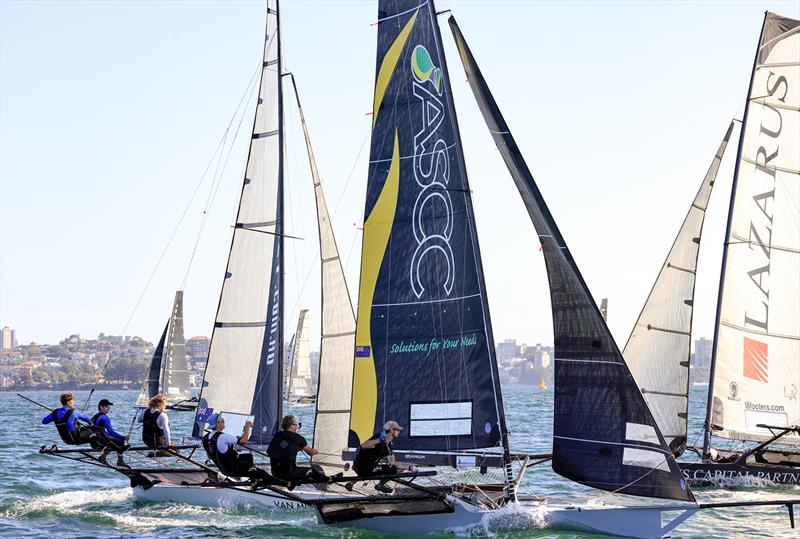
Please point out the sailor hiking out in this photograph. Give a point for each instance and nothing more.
(375, 457)
(220, 448)
(66, 421)
(108, 439)
(155, 423)
(283, 449)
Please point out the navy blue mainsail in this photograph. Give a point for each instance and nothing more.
(604, 435)
(424, 347)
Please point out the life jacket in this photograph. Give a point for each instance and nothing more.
(227, 462)
(366, 459)
(96, 417)
(281, 457)
(69, 437)
(152, 434)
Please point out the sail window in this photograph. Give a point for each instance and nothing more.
(441, 419)
(641, 433)
(645, 458)
(753, 418)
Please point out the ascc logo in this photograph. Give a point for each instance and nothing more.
(432, 173)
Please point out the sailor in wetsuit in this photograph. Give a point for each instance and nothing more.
(109, 440)
(375, 457)
(283, 449)
(220, 449)
(65, 418)
(155, 423)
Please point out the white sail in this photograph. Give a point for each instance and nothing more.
(246, 346)
(659, 346)
(299, 377)
(175, 381)
(757, 349)
(334, 386)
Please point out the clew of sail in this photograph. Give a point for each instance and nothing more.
(659, 347)
(243, 375)
(424, 350)
(756, 357)
(604, 435)
(337, 332)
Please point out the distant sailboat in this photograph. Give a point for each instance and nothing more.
(169, 370)
(298, 369)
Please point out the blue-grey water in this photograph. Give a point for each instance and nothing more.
(44, 496)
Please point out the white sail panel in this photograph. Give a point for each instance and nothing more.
(757, 353)
(659, 347)
(175, 381)
(338, 329)
(247, 333)
(299, 379)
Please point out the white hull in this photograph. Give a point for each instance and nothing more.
(218, 497)
(644, 522)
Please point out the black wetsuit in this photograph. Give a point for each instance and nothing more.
(79, 434)
(282, 451)
(368, 461)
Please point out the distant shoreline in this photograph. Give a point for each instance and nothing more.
(68, 387)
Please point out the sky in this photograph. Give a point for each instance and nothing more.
(110, 113)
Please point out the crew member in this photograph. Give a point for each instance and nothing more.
(375, 457)
(282, 451)
(155, 423)
(65, 418)
(220, 448)
(109, 439)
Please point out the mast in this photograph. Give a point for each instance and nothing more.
(760, 256)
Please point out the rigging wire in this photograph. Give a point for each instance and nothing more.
(214, 157)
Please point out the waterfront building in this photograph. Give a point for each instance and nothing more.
(8, 341)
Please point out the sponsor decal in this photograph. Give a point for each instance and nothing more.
(756, 361)
(733, 391)
(487, 427)
(758, 407)
(706, 475)
(273, 321)
(432, 173)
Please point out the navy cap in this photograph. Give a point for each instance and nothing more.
(105, 402)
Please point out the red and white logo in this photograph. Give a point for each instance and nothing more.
(756, 362)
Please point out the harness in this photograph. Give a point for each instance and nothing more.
(69, 437)
(152, 434)
(227, 462)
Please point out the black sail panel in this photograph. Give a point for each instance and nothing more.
(150, 386)
(604, 435)
(424, 348)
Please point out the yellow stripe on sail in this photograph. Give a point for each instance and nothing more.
(388, 64)
(377, 229)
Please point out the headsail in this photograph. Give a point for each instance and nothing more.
(244, 372)
(337, 332)
(604, 435)
(659, 346)
(150, 385)
(424, 352)
(756, 358)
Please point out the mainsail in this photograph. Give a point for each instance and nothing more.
(298, 379)
(659, 347)
(337, 332)
(756, 357)
(243, 375)
(169, 371)
(424, 353)
(604, 435)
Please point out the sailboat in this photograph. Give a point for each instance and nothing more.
(297, 373)
(755, 366)
(424, 345)
(169, 371)
(244, 374)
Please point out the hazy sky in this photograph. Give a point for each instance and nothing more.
(110, 113)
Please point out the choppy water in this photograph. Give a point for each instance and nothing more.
(45, 496)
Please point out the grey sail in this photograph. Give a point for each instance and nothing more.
(338, 327)
(298, 376)
(604, 435)
(659, 346)
(243, 375)
(175, 380)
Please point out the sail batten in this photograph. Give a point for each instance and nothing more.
(600, 418)
(756, 356)
(243, 374)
